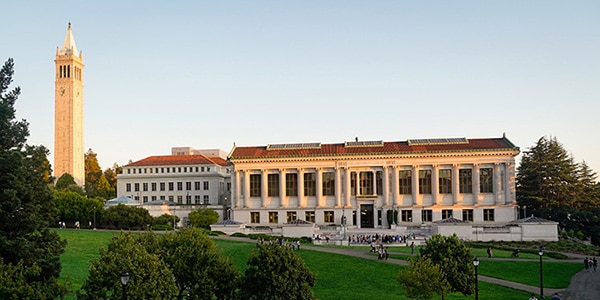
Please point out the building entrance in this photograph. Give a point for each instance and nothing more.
(366, 216)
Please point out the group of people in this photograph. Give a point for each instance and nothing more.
(382, 252)
(590, 264)
(295, 245)
(378, 238)
(63, 225)
(554, 297)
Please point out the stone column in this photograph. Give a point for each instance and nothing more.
(338, 187)
(417, 199)
(263, 188)
(475, 184)
(347, 188)
(246, 188)
(455, 184)
(395, 185)
(435, 184)
(386, 185)
(497, 183)
(301, 188)
(282, 196)
(319, 187)
(235, 189)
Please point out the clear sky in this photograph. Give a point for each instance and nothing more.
(206, 74)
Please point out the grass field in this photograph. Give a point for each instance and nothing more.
(338, 276)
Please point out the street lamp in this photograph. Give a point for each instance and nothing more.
(541, 253)
(476, 264)
(124, 282)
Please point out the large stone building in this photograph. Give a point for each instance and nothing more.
(68, 111)
(364, 183)
(189, 178)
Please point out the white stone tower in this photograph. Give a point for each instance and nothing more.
(68, 111)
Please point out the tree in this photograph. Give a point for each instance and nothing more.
(103, 188)
(111, 177)
(92, 173)
(126, 217)
(66, 182)
(203, 217)
(276, 272)
(200, 271)
(74, 207)
(165, 221)
(546, 177)
(27, 246)
(151, 278)
(422, 279)
(454, 259)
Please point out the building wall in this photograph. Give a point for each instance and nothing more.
(501, 200)
(146, 177)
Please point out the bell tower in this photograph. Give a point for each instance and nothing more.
(68, 111)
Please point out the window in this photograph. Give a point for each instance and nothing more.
(310, 184)
(136, 187)
(445, 181)
(188, 199)
(273, 185)
(196, 185)
(366, 183)
(379, 214)
(145, 199)
(309, 216)
(406, 215)
(291, 184)
(353, 183)
(328, 183)
(485, 180)
(467, 215)
(273, 217)
(205, 199)
(188, 186)
(290, 216)
(145, 186)
(171, 198)
(153, 198)
(446, 214)
(128, 187)
(170, 186)
(162, 197)
(424, 181)
(197, 199)
(465, 179)
(180, 199)
(255, 185)
(180, 186)
(426, 215)
(379, 183)
(254, 217)
(488, 214)
(205, 185)
(328, 216)
(405, 182)
(154, 186)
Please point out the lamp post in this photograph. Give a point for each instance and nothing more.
(94, 218)
(476, 264)
(124, 282)
(541, 253)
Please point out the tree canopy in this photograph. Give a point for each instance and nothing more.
(422, 279)
(454, 259)
(276, 272)
(27, 247)
(203, 217)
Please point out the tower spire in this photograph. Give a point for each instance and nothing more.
(69, 46)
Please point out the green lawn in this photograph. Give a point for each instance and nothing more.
(338, 276)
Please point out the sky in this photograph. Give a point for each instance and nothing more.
(208, 74)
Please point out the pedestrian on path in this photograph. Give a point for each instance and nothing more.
(412, 247)
(555, 297)
(533, 297)
(489, 252)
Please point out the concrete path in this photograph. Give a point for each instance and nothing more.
(583, 286)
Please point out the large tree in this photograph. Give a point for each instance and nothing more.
(275, 272)
(423, 279)
(92, 173)
(203, 217)
(454, 259)
(26, 204)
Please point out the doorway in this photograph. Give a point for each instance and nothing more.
(366, 216)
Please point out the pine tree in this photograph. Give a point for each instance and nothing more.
(26, 205)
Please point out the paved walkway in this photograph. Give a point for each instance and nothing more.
(583, 286)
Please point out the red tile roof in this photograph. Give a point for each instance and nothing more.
(170, 160)
(403, 147)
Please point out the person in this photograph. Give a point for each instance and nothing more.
(555, 297)
(412, 247)
(586, 264)
(533, 297)
(489, 252)
(77, 225)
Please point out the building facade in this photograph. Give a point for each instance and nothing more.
(189, 177)
(363, 184)
(68, 111)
